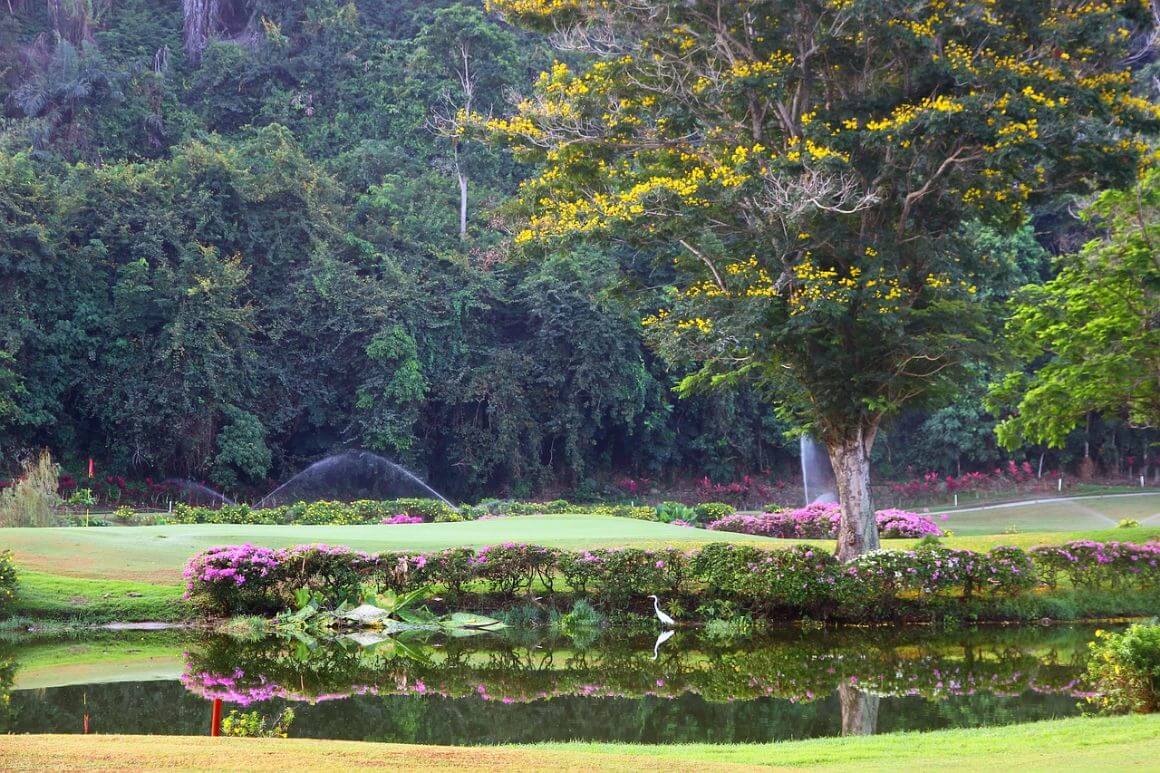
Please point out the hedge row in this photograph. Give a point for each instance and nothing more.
(364, 512)
(793, 582)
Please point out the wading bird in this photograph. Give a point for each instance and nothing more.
(665, 619)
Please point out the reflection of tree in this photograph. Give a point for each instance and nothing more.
(859, 710)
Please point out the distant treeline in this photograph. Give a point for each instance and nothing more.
(232, 239)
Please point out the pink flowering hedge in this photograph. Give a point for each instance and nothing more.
(820, 521)
(802, 580)
(1097, 564)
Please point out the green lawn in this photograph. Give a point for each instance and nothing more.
(94, 601)
(1062, 515)
(158, 553)
(1071, 744)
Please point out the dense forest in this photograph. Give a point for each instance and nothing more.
(237, 235)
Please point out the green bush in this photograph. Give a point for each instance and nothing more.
(707, 512)
(667, 512)
(33, 499)
(1125, 669)
(7, 579)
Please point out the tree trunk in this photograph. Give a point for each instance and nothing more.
(462, 206)
(462, 189)
(859, 711)
(850, 458)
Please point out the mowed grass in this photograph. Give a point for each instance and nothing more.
(157, 553)
(1071, 744)
(1065, 515)
(93, 601)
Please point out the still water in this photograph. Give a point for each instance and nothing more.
(523, 688)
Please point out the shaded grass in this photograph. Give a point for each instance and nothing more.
(1071, 744)
(88, 601)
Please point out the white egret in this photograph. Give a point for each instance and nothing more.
(664, 637)
(665, 619)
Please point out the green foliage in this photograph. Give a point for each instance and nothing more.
(1125, 669)
(820, 248)
(32, 500)
(707, 512)
(7, 580)
(1091, 330)
(667, 512)
(241, 449)
(721, 580)
(251, 724)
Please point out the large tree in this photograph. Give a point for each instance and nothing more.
(1094, 329)
(805, 166)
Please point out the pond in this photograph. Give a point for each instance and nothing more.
(524, 687)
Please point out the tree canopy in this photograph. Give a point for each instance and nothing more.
(1091, 334)
(807, 168)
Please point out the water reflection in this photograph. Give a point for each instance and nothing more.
(497, 689)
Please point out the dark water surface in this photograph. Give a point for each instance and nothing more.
(521, 689)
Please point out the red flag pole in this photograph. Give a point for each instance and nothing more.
(215, 718)
(90, 467)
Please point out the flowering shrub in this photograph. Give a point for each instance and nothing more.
(234, 578)
(820, 521)
(712, 511)
(884, 576)
(7, 579)
(400, 519)
(740, 492)
(512, 568)
(802, 580)
(1020, 477)
(1099, 564)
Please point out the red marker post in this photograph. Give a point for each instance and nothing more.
(215, 718)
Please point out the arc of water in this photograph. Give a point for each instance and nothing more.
(363, 457)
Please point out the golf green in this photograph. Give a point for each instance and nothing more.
(158, 553)
(1075, 514)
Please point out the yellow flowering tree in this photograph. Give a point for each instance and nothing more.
(800, 170)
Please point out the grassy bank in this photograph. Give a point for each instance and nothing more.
(156, 554)
(1074, 744)
(91, 601)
